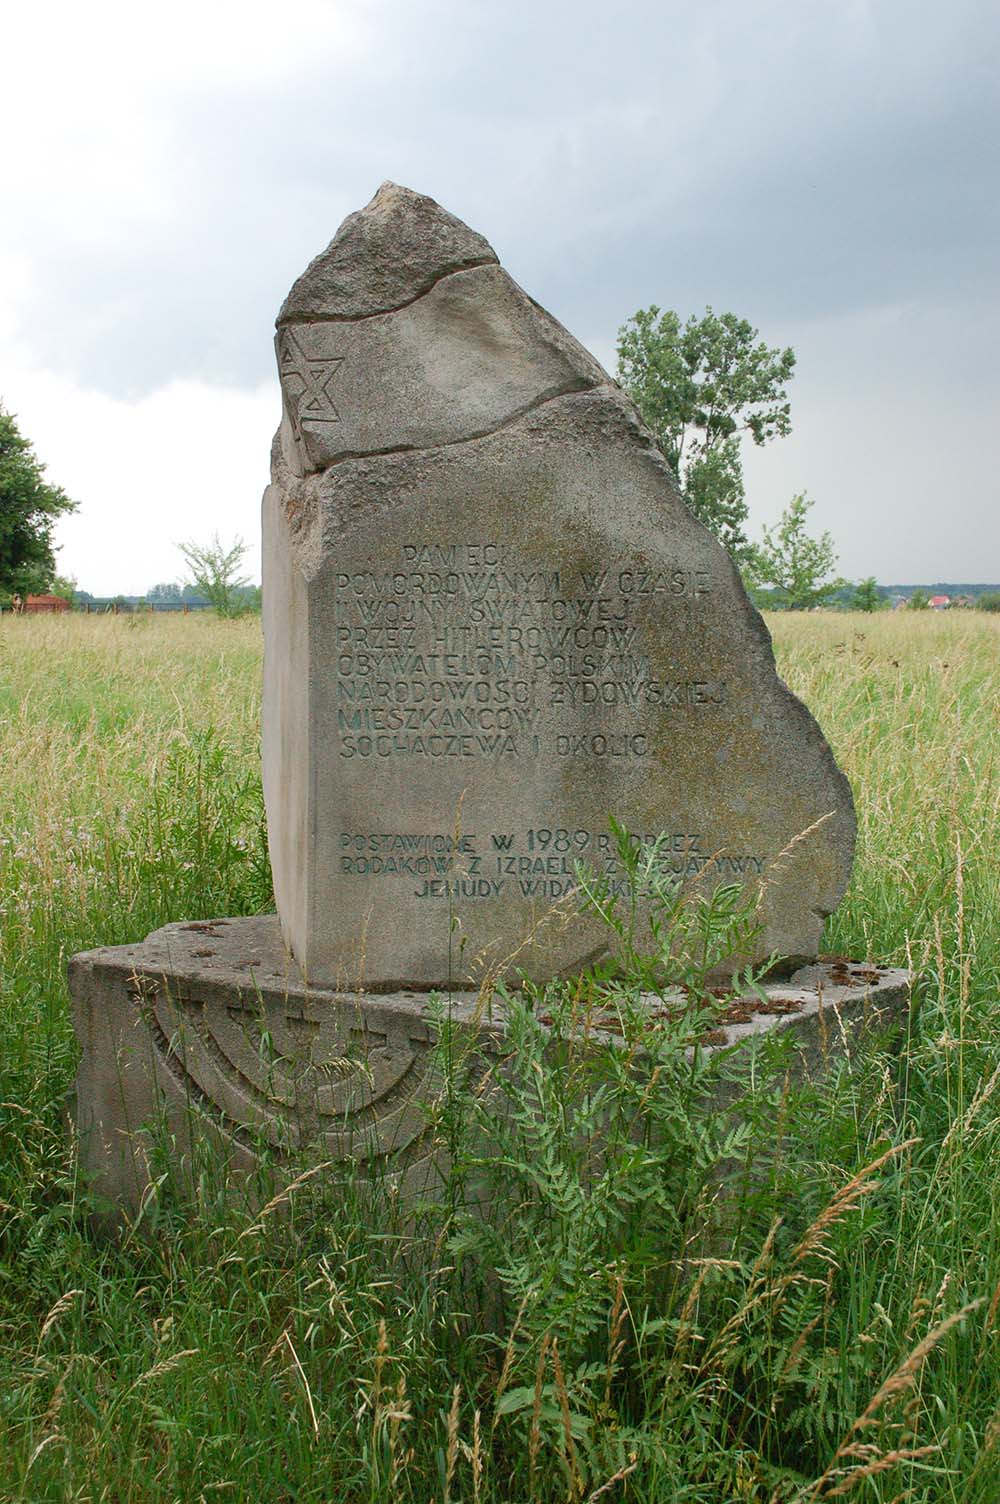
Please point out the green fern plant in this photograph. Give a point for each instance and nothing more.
(587, 1159)
(667, 933)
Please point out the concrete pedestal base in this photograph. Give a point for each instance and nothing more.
(206, 1034)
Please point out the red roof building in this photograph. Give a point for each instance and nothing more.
(46, 603)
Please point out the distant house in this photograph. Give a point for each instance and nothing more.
(46, 603)
(939, 602)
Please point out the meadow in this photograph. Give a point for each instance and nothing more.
(841, 1340)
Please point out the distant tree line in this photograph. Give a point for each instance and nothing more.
(699, 385)
(171, 592)
(169, 596)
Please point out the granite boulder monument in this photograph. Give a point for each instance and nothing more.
(491, 624)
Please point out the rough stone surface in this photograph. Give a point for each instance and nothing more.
(384, 256)
(459, 362)
(490, 624)
(206, 1034)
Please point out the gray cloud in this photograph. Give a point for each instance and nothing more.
(797, 164)
(784, 161)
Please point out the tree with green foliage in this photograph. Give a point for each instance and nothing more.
(29, 507)
(215, 574)
(63, 585)
(700, 385)
(867, 596)
(794, 565)
(919, 601)
(989, 601)
(167, 590)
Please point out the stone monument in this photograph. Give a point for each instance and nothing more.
(490, 624)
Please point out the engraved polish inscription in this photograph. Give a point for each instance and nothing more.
(528, 863)
(459, 651)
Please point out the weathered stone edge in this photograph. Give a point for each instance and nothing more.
(872, 993)
(338, 269)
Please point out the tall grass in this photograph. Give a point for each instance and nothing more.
(836, 1336)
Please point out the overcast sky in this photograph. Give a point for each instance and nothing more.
(827, 170)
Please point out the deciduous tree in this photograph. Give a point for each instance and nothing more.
(215, 573)
(29, 507)
(792, 563)
(699, 386)
(867, 596)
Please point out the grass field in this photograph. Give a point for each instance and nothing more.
(845, 1340)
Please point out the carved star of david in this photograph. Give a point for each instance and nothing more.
(308, 382)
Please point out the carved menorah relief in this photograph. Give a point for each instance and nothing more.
(292, 1077)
